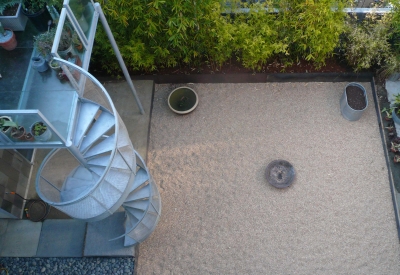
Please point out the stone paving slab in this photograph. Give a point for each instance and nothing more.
(21, 239)
(99, 234)
(62, 238)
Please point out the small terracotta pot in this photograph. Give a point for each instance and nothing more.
(29, 137)
(11, 43)
(18, 134)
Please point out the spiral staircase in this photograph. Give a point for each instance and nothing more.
(107, 173)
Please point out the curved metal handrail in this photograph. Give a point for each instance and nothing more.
(114, 150)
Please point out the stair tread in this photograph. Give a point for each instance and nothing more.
(104, 123)
(141, 177)
(73, 183)
(87, 113)
(71, 194)
(82, 173)
(137, 213)
(130, 222)
(103, 147)
(142, 205)
(115, 177)
(128, 241)
(118, 161)
(139, 194)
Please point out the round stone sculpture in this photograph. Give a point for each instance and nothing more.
(280, 173)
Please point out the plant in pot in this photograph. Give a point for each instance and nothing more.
(40, 131)
(77, 42)
(38, 14)
(388, 113)
(6, 124)
(7, 38)
(44, 43)
(11, 15)
(17, 132)
(353, 102)
(54, 65)
(396, 109)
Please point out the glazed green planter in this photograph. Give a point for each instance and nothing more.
(183, 100)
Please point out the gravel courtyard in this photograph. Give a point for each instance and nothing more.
(219, 214)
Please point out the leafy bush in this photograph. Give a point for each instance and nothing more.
(311, 28)
(154, 34)
(257, 37)
(366, 44)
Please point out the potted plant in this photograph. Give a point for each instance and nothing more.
(44, 43)
(353, 102)
(29, 137)
(38, 14)
(54, 65)
(183, 100)
(18, 132)
(6, 124)
(11, 15)
(40, 131)
(77, 42)
(7, 39)
(388, 113)
(396, 109)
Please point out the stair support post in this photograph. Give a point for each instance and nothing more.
(118, 55)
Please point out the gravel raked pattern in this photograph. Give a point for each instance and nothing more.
(220, 216)
(68, 266)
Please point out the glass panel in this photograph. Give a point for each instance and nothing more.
(25, 123)
(83, 11)
(56, 106)
(49, 80)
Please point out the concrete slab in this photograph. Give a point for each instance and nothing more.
(62, 238)
(124, 101)
(99, 233)
(392, 88)
(21, 239)
(3, 228)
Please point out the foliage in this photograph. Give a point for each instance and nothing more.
(2, 30)
(6, 122)
(38, 128)
(44, 41)
(154, 34)
(34, 6)
(311, 28)
(256, 36)
(7, 3)
(366, 44)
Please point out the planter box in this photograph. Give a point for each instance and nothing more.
(347, 111)
(16, 22)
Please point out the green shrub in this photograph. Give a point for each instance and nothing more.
(366, 44)
(256, 37)
(311, 28)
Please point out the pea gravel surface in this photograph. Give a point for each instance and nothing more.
(220, 215)
(67, 266)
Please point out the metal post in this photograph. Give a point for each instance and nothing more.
(118, 54)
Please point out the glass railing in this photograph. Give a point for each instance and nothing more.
(29, 128)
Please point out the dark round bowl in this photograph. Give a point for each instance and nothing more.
(183, 100)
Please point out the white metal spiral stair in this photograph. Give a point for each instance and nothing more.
(110, 174)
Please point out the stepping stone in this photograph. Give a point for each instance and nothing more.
(62, 238)
(99, 234)
(21, 239)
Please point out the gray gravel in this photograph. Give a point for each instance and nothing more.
(221, 216)
(68, 266)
